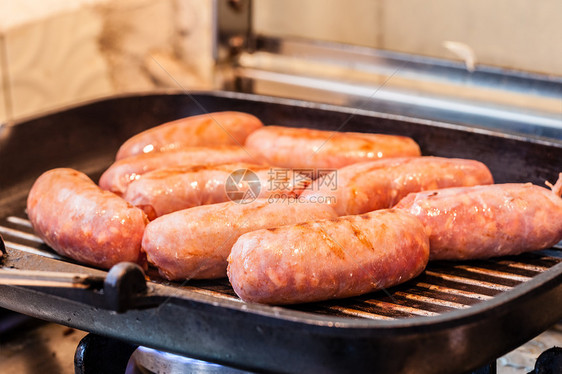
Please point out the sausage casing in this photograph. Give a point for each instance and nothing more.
(307, 148)
(328, 259)
(364, 187)
(487, 221)
(194, 243)
(79, 220)
(122, 172)
(220, 128)
(164, 191)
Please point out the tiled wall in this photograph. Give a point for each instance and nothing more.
(518, 34)
(46, 61)
(78, 50)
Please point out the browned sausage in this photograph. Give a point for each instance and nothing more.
(220, 128)
(194, 243)
(328, 259)
(306, 148)
(118, 176)
(364, 187)
(487, 221)
(79, 220)
(164, 191)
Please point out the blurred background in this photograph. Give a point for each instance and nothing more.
(56, 53)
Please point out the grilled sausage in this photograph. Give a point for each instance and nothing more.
(306, 148)
(220, 128)
(194, 243)
(118, 176)
(79, 220)
(164, 191)
(364, 187)
(487, 221)
(328, 259)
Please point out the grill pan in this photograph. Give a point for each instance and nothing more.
(455, 317)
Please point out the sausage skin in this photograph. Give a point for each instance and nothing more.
(364, 187)
(79, 220)
(194, 243)
(219, 128)
(122, 172)
(307, 148)
(168, 190)
(487, 221)
(320, 260)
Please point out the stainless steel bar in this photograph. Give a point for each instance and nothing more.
(402, 84)
(35, 251)
(19, 221)
(431, 300)
(494, 273)
(472, 282)
(36, 278)
(20, 234)
(454, 291)
(358, 313)
(217, 294)
(521, 265)
(402, 308)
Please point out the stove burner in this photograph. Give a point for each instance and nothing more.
(147, 361)
(99, 354)
(549, 362)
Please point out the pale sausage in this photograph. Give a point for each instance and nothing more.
(164, 191)
(329, 259)
(122, 172)
(219, 128)
(194, 243)
(487, 221)
(307, 148)
(364, 187)
(79, 220)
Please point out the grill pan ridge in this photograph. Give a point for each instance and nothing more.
(470, 312)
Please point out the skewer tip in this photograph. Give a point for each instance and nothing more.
(557, 187)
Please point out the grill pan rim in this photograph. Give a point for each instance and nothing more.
(548, 283)
(319, 320)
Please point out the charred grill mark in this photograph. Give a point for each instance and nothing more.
(390, 211)
(203, 125)
(358, 313)
(236, 166)
(257, 208)
(333, 245)
(296, 226)
(353, 180)
(361, 236)
(379, 166)
(228, 167)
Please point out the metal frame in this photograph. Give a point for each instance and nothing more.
(399, 83)
(232, 25)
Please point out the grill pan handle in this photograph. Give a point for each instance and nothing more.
(124, 284)
(123, 288)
